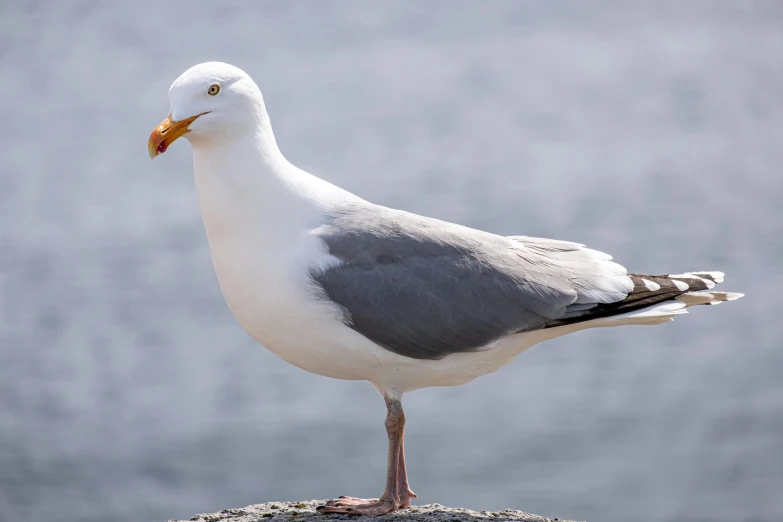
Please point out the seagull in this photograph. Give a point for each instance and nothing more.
(342, 287)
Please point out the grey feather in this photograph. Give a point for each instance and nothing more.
(425, 288)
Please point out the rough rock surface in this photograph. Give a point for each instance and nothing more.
(305, 511)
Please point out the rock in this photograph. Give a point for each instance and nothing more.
(305, 512)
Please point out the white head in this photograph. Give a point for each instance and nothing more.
(210, 103)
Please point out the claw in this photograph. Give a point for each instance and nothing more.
(376, 507)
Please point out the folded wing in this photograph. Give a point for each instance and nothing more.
(425, 288)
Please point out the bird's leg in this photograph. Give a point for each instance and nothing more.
(402, 474)
(396, 495)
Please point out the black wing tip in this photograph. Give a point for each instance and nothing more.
(649, 290)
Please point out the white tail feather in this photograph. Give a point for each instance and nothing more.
(707, 298)
(665, 312)
(656, 314)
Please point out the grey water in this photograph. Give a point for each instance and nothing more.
(649, 130)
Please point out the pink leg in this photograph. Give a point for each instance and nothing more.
(397, 494)
(402, 477)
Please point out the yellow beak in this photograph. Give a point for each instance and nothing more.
(167, 132)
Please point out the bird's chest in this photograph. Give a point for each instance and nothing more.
(261, 292)
(272, 295)
(263, 252)
(267, 287)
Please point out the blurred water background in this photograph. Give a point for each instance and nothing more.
(650, 130)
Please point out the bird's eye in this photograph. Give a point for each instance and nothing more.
(213, 90)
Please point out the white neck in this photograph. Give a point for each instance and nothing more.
(246, 187)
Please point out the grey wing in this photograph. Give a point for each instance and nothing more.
(425, 288)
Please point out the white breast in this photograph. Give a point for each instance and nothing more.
(258, 232)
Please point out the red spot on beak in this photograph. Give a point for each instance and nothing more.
(162, 147)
